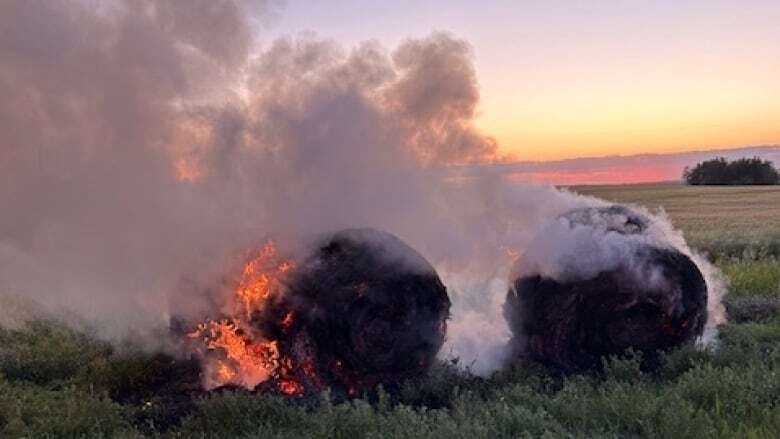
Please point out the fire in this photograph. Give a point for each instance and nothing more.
(225, 373)
(334, 321)
(233, 351)
(288, 320)
(289, 387)
(261, 279)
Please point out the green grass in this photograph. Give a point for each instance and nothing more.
(733, 391)
(58, 382)
(752, 278)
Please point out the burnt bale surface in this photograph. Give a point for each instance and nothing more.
(615, 218)
(367, 309)
(653, 301)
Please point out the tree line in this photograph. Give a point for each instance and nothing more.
(744, 171)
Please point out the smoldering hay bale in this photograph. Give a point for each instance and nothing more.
(368, 310)
(649, 298)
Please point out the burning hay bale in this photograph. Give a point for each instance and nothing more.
(611, 286)
(361, 309)
(367, 309)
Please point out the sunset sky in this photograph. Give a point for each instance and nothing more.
(565, 79)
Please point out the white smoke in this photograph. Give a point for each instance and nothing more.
(146, 143)
(577, 248)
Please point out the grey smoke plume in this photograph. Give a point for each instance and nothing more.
(145, 143)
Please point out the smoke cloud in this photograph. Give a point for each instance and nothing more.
(146, 144)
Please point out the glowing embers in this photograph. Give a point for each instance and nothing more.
(613, 287)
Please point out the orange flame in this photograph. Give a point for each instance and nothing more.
(238, 354)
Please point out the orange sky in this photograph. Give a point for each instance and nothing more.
(617, 116)
(562, 79)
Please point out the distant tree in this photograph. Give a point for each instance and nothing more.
(745, 171)
(708, 172)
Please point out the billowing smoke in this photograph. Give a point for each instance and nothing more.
(618, 283)
(145, 144)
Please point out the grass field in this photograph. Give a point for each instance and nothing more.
(723, 220)
(57, 382)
